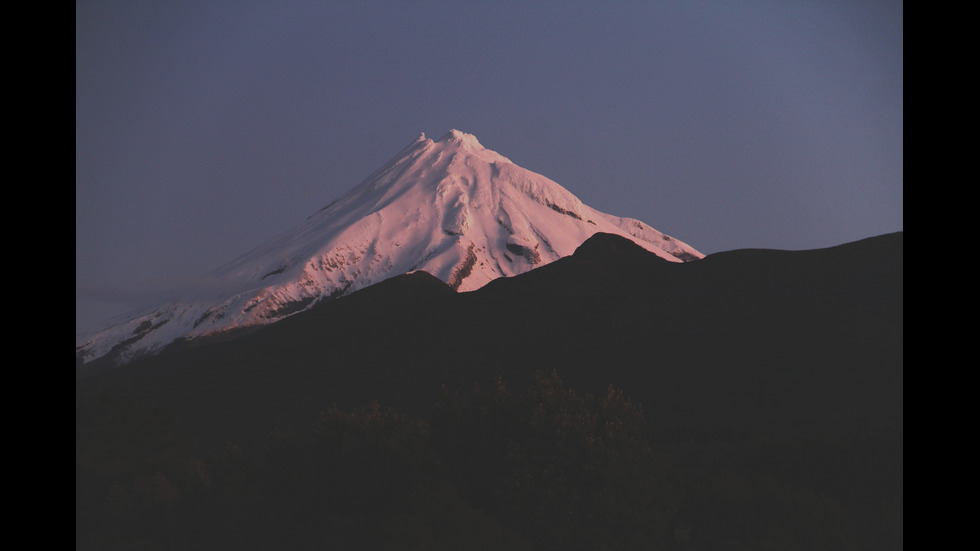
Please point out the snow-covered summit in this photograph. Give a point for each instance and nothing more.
(450, 207)
(461, 138)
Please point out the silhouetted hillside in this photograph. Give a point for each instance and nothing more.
(769, 385)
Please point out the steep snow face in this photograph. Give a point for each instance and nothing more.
(451, 207)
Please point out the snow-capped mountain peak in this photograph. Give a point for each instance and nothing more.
(450, 207)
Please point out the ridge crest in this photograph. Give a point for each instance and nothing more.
(460, 137)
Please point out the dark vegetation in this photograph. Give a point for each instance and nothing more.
(750, 400)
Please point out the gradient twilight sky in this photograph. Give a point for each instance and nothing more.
(204, 128)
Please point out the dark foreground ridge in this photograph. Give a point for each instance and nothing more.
(610, 399)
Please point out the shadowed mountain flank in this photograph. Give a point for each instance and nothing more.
(609, 399)
(675, 334)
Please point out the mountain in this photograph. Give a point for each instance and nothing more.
(449, 207)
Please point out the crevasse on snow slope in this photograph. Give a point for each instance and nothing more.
(451, 207)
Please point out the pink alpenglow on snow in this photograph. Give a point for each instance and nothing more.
(450, 207)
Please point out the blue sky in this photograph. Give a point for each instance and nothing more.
(204, 128)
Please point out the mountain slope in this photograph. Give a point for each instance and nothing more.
(770, 387)
(450, 207)
(749, 337)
